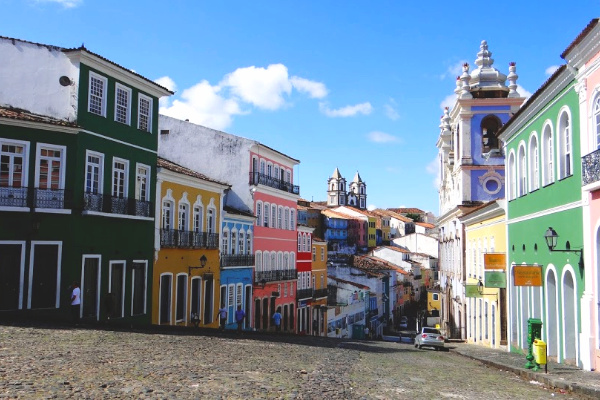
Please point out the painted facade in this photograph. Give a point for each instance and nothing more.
(319, 272)
(471, 165)
(542, 144)
(78, 149)
(186, 272)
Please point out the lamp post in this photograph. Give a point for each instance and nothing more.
(195, 317)
(203, 260)
(552, 240)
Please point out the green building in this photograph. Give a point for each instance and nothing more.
(544, 199)
(78, 137)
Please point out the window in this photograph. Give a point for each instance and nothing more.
(93, 172)
(238, 294)
(230, 295)
(273, 216)
(249, 243)
(259, 207)
(314, 253)
(597, 120)
(234, 243)
(119, 181)
(97, 94)
(180, 297)
(522, 172)
(490, 125)
(534, 164)
(322, 254)
(138, 288)
(267, 213)
(225, 242)
(258, 261)
(142, 191)
(198, 214)
(287, 219)
(145, 113)
(50, 167)
(122, 104)
(167, 215)
(195, 298)
(241, 242)
(182, 217)
(210, 220)
(279, 218)
(547, 155)
(12, 163)
(565, 158)
(292, 221)
(299, 242)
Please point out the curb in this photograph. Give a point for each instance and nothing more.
(544, 379)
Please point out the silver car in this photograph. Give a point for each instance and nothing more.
(430, 337)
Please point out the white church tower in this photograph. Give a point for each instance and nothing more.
(336, 190)
(357, 197)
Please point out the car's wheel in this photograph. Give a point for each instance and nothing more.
(420, 347)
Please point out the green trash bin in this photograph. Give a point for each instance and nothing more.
(534, 331)
(358, 331)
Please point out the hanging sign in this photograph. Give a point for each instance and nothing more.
(528, 275)
(472, 291)
(494, 261)
(495, 279)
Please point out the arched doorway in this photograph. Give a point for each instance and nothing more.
(570, 327)
(551, 314)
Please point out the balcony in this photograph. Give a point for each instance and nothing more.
(275, 276)
(320, 293)
(302, 294)
(590, 168)
(35, 197)
(258, 178)
(188, 240)
(117, 205)
(237, 260)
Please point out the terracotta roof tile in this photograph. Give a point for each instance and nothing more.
(358, 285)
(24, 115)
(171, 166)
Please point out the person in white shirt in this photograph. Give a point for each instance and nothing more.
(75, 301)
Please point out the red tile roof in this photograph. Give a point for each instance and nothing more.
(358, 285)
(580, 37)
(171, 166)
(24, 115)
(407, 210)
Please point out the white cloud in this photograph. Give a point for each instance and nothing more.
(523, 92)
(315, 90)
(262, 87)
(448, 101)
(167, 82)
(453, 70)
(202, 104)
(433, 169)
(382, 137)
(64, 3)
(551, 69)
(348, 111)
(371, 207)
(390, 110)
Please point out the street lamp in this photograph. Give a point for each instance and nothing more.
(552, 240)
(203, 260)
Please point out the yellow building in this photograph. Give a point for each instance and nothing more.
(434, 302)
(319, 274)
(485, 237)
(186, 266)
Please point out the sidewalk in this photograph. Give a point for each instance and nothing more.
(560, 376)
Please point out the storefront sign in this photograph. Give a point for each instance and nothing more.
(495, 279)
(472, 291)
(528, 275)
(494, 260)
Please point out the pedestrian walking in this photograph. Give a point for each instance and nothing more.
(222, 316)
(277, 320)
(240, 315)
(75, 302)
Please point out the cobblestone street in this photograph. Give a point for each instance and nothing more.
(54, 362)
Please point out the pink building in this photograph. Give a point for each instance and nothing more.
(584, 56)
(304, 295)
(275, 240)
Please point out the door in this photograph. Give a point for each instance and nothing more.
(117, 291)
(165, 299)
(90, 288)
(10, 276)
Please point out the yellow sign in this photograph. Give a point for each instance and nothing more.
(528, 275)
(494, 260)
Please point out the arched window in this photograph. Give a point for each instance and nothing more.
(565, 148)
(273, 216)
(198, 216)
(249, 242)
(167, 215)
(512, 171)
(259, 207)
(280, 218)
(547, 155)
(273, 260)
(490, 125)
(266, 261)
(299, 241)
(211, 219)
(258, 258)
(225, 242)
(241, 242)
(597, 120)
(534, 164)
(234, 250)
(266, 216)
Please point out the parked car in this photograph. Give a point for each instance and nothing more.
(404, 322)
(429, 337)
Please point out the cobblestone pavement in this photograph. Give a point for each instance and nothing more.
(64, 362)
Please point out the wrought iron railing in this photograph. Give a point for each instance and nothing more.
(237, 260)
(320, 293)
(49, 198)
(117, 205)
(304, 293)
(14, 197)
(274, 276)
(258, 178)
(188, 239)
(590, 167)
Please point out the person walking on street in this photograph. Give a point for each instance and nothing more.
(240, 315)
(222, 316)
(277, 320)
(75, 301)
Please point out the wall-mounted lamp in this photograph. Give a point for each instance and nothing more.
(552, 240)
(263, 283)
(203, 260)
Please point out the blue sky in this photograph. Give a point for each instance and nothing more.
(357, 85)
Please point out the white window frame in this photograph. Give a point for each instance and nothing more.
(225, 249)
(185, 297)
(259, 213)
(168, 222)
(521, 170)
(249, 242)
(62, 158)
(145, 262)
(142, 180)
(142, 97)
(21, 268)
(58, 272)
(258, 261)
(118, 106)
(111, 264)
(234, 242)
(198, 216)
(100, 167)
(24, 156)
(565, 143)
(211, 217)
(103, 96)
(596, 121)
(548, 175)
(534, 163)
(170, 274)
(125, 176)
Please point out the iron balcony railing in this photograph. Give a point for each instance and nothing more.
(35, 197)
(188, 239)
(258, 178)
(237, 260)
(117, 205)
(274, 276)
(320, 293)
(590, 167)
(304, 294)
